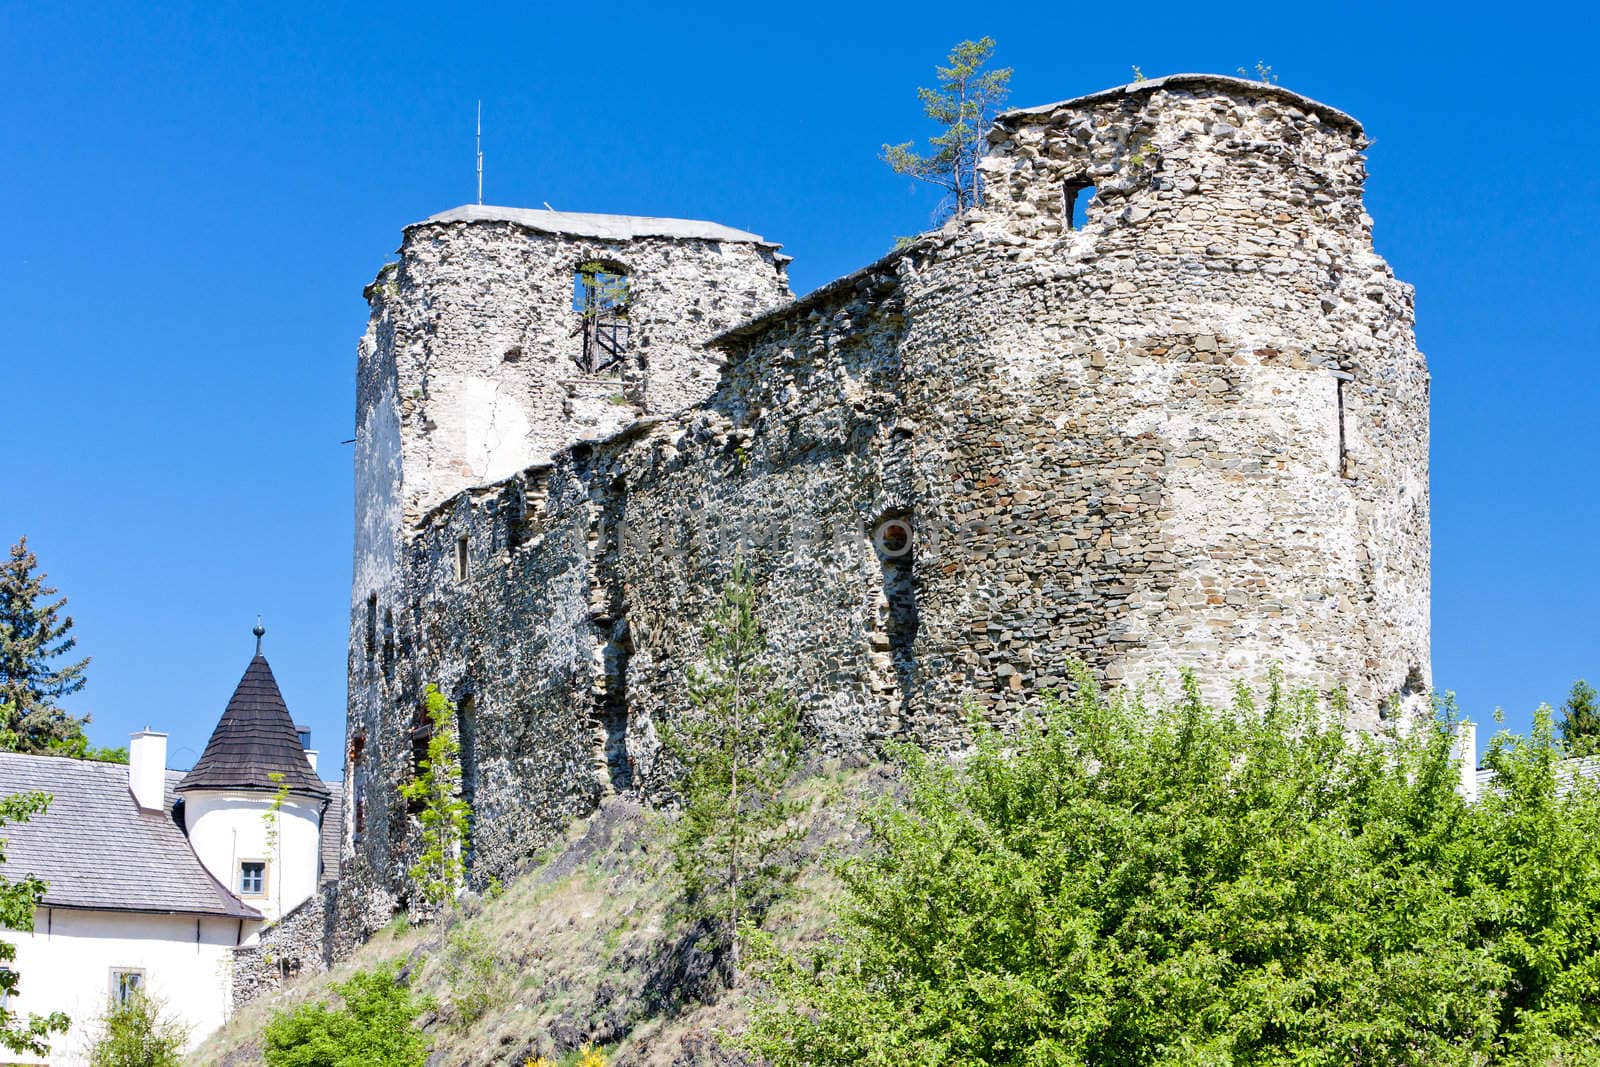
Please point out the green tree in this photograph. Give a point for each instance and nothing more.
(138, 1033)
(1116, 884)
(444, 814)
(1580, 720)
(738, 748)
(272, 824)
(375, 1027)
(18, 901)
(33, 633)
(963, 105)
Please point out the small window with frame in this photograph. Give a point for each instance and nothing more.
(252, 878)
(126, 983)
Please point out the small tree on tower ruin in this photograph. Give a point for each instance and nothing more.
(964, 104)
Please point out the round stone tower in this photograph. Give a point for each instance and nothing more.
(1179, 415)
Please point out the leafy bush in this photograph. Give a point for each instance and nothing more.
(375, 1028)
(1116, 884)
(473, 975)
(137, 1033)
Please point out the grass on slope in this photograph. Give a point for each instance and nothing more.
(585, 949)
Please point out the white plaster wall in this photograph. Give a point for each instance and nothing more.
(66, 964)
(377, 489)
(227, 828)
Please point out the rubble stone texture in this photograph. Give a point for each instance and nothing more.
(1190, 431)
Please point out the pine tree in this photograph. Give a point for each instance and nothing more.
(33, 633)
(964, 104)
(738, 749)
(1580, 720)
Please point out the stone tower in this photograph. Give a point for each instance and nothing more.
(1156, 404)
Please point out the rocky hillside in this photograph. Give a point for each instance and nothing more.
(586, 949)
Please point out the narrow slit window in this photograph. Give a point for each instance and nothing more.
(1075, 200)
(388, 643)
(372, 625)
(1339, 379)
(600, 295)
(421, 732)
(358, 785)
(463, 560)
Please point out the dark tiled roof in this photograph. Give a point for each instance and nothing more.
(332, 833)
(255, 739)
(97, 849)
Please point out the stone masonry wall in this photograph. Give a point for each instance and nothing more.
(480, 327)
(301, 943)
(1191, 431)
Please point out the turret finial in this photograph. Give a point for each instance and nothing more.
(259, 631)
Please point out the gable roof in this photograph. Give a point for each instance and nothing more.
(97, 849)
(255, 739)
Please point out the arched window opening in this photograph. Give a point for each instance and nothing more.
(600, 297)
(1076, 196)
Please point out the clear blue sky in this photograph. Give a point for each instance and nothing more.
(194, 197)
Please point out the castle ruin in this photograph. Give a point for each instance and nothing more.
(1156, 403)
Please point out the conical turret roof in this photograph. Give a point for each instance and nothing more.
(255, 739)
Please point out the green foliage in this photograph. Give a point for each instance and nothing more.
(1263, 73)
(375, 1027)
(1138, 75)
(605, 292)
(138, 1033)
(1580, 720)
(1117, 884)
(963, 105)
(444, 816)
(472, 973)
(17, 903)
(273, 818)
(33, 633)
(738, 748)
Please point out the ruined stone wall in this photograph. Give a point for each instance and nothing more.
(301, 943)
(1146, 410)
(483, 337)
(1191, 431)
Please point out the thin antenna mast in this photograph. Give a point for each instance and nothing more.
(480, 151)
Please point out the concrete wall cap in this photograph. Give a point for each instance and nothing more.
(603, 227)
(1225, 82)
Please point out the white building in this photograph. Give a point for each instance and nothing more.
(154, 876)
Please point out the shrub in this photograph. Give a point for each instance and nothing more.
(374, 1028)
(473, 975)
(137, 1033)
(1116, 884)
